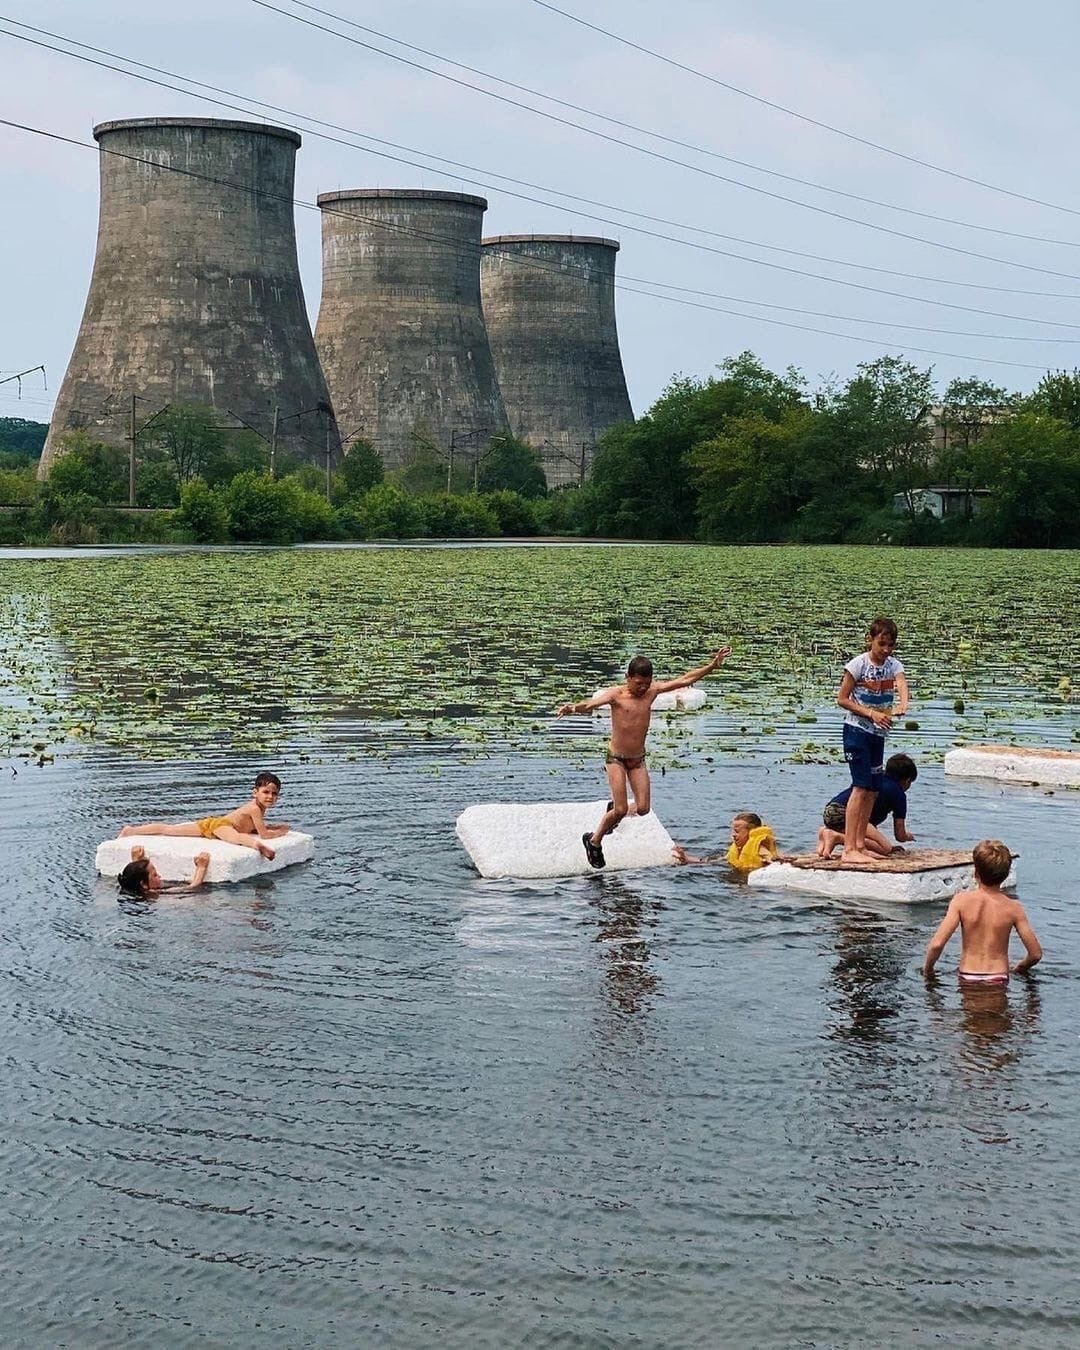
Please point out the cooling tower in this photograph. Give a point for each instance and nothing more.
(549, 304)
(400, 332)
(195, 295)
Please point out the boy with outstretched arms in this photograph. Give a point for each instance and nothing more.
(891, 800)
(631, 708)
(872, 690)
(986, 918)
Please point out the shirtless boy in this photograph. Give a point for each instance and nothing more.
(631, 709)
(986, 918)
(246, 825)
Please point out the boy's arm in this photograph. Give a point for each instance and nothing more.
(263, 830)
(900, 831)
(1026, 934)
(692, 676)
(844, 699)
(903, 694)
(681, 856)
(946, 929)
(599, 700)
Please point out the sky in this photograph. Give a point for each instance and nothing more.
(983, 88)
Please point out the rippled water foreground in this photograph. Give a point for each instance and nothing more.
(380, 1101)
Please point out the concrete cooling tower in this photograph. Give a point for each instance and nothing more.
(400, 332)
(195, 295)
(549, 304)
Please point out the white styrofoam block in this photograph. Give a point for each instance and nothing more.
(675, 700)
(1015, 764)
(174, 855)
(543, 839)
(907, 888)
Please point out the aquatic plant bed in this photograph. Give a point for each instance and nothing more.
(1016, 764)
(918, 877)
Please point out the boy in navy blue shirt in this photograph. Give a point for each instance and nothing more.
(891, 800)
(872, 684)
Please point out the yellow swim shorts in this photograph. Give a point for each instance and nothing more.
(209, 824)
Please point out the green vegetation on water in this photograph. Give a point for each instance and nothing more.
(162, 655)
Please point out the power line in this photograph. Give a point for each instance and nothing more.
(803, 117)
(296, 201)
(670, 159)
(399, 159)
(685, 145)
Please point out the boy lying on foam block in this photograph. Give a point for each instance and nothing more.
(174, 858)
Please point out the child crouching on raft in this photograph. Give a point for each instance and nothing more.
(753, 845)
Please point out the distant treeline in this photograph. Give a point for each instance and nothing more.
(747, 456)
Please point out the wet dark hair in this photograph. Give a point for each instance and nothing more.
(640, 665)
(901, 766)
(886, 626)
(752, 818)
(135, 878)
(268, 778)
(992, 860)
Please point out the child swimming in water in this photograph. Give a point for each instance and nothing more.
(753, 845)
(246, 825)
(631, 709)
(142, 879)
(986, 918)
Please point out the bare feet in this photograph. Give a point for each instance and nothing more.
(857, 856)
(138, 852)
(126, 831)
(266, 851)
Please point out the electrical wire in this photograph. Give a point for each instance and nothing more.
(483, 183)
(803, 117)
(681, 163)
(350, 215)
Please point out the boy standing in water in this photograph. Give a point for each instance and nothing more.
(870, 685)
(631, 709)
(986, 918)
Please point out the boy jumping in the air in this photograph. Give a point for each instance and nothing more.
(631, 708)
(870, 684)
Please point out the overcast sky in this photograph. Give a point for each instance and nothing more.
(983, 87)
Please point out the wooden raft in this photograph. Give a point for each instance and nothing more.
(915, 860)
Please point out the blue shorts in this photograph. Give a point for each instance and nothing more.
(865, 754)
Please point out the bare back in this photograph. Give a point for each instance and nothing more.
(987, 919)
(246, 818)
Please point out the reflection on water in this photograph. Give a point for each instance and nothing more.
(624, 917)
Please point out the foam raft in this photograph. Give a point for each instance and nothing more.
(543, 839)
(919, 877)
(1016, 764)
(174, 856)
(689, 699)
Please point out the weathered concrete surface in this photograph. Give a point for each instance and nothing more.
(195, 295)
(400, 331)
(549, 305)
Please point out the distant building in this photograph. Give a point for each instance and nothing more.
(940, 502)
(959, 426)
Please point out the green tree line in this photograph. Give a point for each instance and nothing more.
(745, 456)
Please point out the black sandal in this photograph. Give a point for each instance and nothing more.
(594, 852)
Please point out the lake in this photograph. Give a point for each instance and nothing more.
(376, 1100)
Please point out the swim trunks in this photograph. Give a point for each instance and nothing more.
(209, 824)
(996, 979)
(865, 754)
(629, 762)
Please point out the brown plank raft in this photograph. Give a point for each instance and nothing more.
(918, 876)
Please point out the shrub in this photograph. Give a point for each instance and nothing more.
(451, 517)
(261, 509)
(385, 512)
(203, 513)
(514, 514)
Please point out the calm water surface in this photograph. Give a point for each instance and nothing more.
(379, 1101)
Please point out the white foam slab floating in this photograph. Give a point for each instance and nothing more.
(1015, 764)
(174, 855)
(675, 700)
(915, 878)
(543, 839)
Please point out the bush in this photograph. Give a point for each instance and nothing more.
(514, 514)
(18, 487)
(450, 517)
(385, 512)
(88, 468)
(360, 470)
(203, 513)
(567, 510)
(312, 514)
(261, 509)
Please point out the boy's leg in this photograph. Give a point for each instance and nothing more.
(641, 788)
(827, 841)
(862, 750)
(228, 835)
(188, 830)
(876, 842)
(859, 806)
(616, 777)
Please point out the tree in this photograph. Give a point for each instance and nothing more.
(881, 414)
(20, 441)
(189, 437)
(512, 465)
(88, 468)
(1057, 395)
(969, 407)
(360, 470)
(1031, 464)
(750, 479)
(203, 512)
